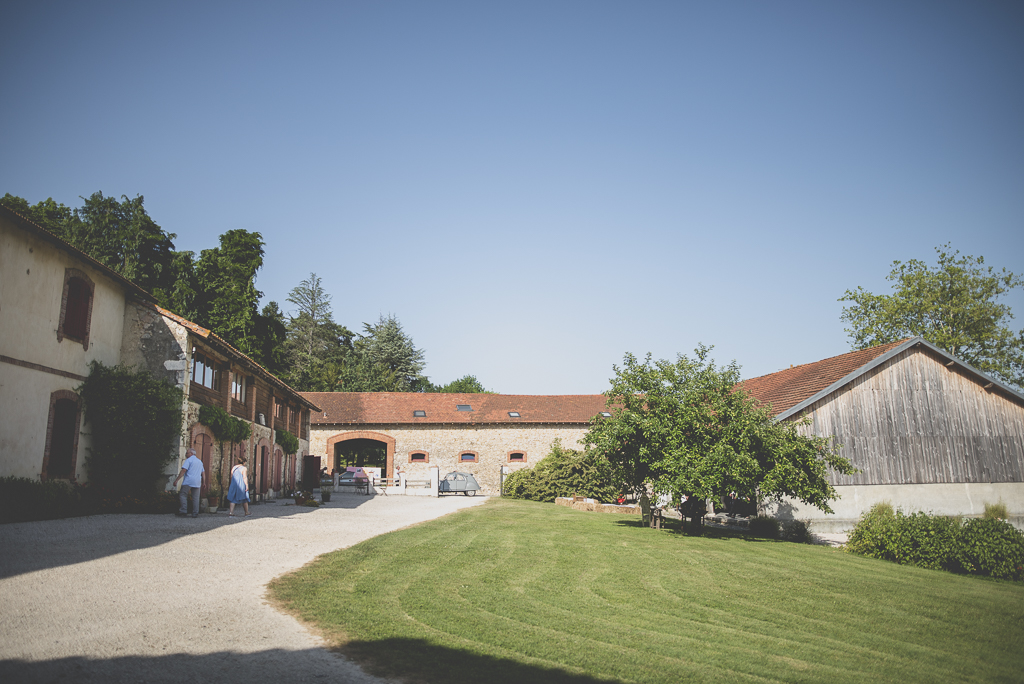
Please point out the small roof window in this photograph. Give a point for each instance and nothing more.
(513, 414)
(463, 407)
(419, 414)
(605, 414)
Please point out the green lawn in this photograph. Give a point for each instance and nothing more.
(516, 591)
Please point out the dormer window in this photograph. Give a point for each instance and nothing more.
(463, 407)
(419, 414)
(513, 414)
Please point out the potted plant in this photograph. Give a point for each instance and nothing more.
(214, 497)
(325, 492)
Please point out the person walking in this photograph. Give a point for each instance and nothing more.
(192, 478)
(238, 490)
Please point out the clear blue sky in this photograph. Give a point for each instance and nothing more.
(535, 188)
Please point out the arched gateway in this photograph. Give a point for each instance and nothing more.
(362, 447)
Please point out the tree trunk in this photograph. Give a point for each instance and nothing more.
(696, 528)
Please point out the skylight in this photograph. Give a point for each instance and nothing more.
(419, 414)
(463, 407)
(513, 414)
(606, 414)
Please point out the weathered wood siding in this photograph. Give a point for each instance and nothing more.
(915, 421)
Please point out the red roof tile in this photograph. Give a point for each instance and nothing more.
(787, 388)
(397, 408)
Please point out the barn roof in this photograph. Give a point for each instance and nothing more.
(442, 408)
(792, 390)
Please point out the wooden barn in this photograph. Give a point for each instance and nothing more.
(926, 431)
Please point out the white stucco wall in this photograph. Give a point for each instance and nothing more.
(31, 288)
(960, 499)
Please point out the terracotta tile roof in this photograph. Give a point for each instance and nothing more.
(236, 355)
(787, 388)
(397, 407)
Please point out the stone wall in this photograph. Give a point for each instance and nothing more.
(444, 444)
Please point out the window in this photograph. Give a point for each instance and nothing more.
(279, 411)
(517, 457)
(419, 414)
(513, 414)
(204, 372)
(418, 457)
(463, 407)
(76, 307)
(467, 457)
(605, 414)
(238, 388)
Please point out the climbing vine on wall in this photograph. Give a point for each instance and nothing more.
(288, 441)
(134, 420)
(226, 428)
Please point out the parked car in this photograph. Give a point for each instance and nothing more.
(352, 476)
(459, 482)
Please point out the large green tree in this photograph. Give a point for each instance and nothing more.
(119, 234)
(394, 362)
(467, 384)
(953, 304)
(318, 350)
(227, 298)
(686, 428)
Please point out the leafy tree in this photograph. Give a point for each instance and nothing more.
(53, 216)
(467, 384)
(227, 297)
(954, 305)
(687, 429)
(271, 332)
(121, 235)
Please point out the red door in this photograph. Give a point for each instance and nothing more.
(204, 446)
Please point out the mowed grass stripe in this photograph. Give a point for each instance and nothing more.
(520, 591)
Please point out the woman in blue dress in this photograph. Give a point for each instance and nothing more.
(238, 490)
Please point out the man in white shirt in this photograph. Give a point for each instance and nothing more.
(193, 475)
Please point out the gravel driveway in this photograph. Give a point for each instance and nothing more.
(155, 598)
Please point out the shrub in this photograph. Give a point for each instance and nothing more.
(135, 420)
(996, 510)
(764, 526)
(796, 531)
(23, 500)
(985, 546)
(563, 472)
(990, 547)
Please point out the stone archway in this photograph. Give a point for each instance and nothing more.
(365, 434)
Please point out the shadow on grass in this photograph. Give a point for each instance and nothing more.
(676, 528)
(427, 662)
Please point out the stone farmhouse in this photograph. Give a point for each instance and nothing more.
(60, 309)
(488, 435)
(926, 430)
